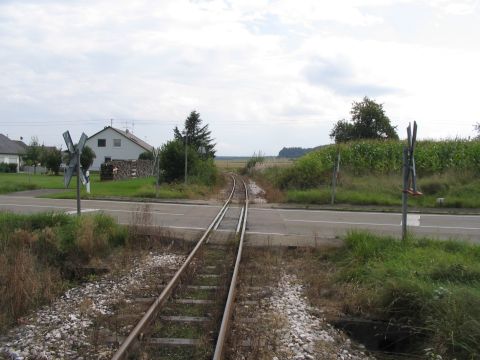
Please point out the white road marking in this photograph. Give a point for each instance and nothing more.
(362, 212)
(393, 225)
(72, 212)
(339, 222)
(325, 211)
(106, 210)
(412, 220)
(39, 206)
(271, 233)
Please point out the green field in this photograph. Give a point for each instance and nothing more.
(238, 163)
(141, 188)
(18, 182)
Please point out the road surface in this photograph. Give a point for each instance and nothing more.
(262, 222)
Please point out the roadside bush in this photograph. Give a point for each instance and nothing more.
(205, 172)
(8, 168)
(172, 165)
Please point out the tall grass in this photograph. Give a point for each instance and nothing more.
(38, 253)
(432, 286)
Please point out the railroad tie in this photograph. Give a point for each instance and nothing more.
(114, 340)
(194, 301)
(186, 318)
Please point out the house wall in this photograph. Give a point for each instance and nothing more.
(10, 159)
(127, 151)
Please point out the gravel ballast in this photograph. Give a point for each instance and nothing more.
(63, 329)
(305, 335)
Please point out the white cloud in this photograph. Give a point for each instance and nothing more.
(455, 7)
(242, 64)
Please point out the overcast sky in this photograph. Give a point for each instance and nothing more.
(262, 73)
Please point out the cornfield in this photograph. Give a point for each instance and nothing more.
(382, 157)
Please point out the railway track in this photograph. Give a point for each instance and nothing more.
(190, 318)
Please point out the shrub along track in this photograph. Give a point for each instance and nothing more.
(186, 320)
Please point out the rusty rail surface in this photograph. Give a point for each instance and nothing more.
(151, 313)
(227, 314)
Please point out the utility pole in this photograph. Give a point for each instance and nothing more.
(156, 169)
(336, 170)
(404, 193)
(186, 147)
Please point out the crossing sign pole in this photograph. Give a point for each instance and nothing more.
(74, 164)
(409, 174)
(79, 208)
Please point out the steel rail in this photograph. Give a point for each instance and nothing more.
(153, 310)
(227, 314)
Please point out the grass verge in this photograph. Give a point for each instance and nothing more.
(431, 286)
(19, 182)
(459, 190)
(138, 188)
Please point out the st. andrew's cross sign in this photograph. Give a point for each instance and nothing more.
(74, 164)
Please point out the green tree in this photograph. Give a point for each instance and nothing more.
(198, 136)
(172, 160)
(33, 154)
(146, 155)
(53, 159)
(87, 157)
(369, 121)
(477, 129)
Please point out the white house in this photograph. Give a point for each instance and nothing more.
(11, 151)
(114, 144)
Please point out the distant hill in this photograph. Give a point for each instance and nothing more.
(293, 152)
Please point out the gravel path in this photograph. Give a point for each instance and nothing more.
(257, 192)
(63, 329)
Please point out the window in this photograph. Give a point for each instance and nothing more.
(102, 143)
(117, 142)
(108, 158)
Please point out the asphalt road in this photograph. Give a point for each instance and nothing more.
(262, 221)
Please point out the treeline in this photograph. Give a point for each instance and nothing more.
(293, 152)
(380, 157)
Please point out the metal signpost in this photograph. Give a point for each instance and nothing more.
(74, 164)
(186, 150)
(409, 174)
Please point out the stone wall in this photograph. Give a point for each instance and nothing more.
(126, 169)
